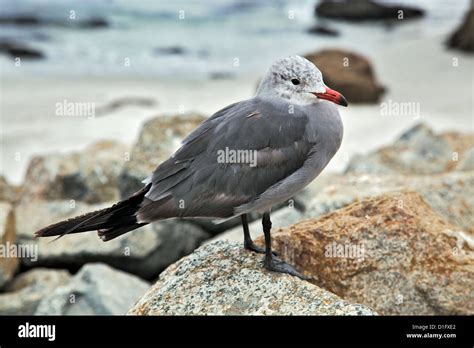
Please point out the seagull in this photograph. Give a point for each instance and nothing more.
(247, 157)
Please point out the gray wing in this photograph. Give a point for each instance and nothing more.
(194, 182)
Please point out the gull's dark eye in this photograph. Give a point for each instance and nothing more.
(295, 81)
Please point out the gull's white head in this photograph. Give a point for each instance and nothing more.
(297, 79)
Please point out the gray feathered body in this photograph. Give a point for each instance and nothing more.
(288, 132)
(292, 144)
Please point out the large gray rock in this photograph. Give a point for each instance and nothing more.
(159, 138)
(418, 151)
(8, 261)
(25, 292)
(145, 252)
(451, 194)
(223, 279)
(96, 289)
(89, 176)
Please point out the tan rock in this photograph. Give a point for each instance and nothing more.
(391, 252)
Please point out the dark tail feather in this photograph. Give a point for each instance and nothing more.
(110, 222)
(114, 232)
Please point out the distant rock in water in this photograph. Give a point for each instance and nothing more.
(20, 20)
(463, 37)
(222, 278)
(171, 50)
(349, 73)
(32, 20)
(96, 289)
(323, 30)
(93, 23)
(419, 151)
(119, 103)
(392, 253)
(365, 10)
(221, 75)
(19, 50)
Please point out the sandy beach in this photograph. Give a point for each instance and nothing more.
(424, 75)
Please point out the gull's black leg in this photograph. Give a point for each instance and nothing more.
(248, 242)
(271, 262)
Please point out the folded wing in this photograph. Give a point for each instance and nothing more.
(203, 178)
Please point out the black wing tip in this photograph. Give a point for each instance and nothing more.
(44, 232)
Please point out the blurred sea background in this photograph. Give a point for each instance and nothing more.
(204, 42)
(202, 56)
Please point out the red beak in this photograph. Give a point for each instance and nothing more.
(333, 96)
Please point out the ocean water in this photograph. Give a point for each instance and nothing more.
(210, 37)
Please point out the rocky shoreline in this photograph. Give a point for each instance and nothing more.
(391, 235)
